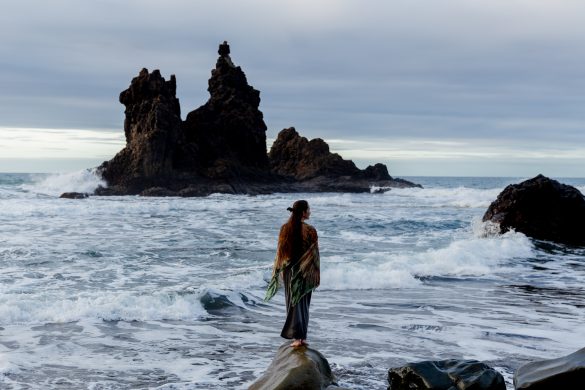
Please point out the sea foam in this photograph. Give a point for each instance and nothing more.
(460, 197)
(105, 305)
(86, 180)
(462, 258)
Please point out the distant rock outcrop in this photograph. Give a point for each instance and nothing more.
(541, 208)
(221, 146)
(314, 168)
(299, 368)
(295, 156)
(446, 375)
(567, 372)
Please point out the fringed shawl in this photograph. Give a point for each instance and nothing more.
(305, 272)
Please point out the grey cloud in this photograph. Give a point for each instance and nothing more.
(334, 69)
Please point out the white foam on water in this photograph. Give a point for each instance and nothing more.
(153, 259)
(358, 237)
(122, 305)
(460, 197)
(365, 277)
(470, 257)
(86, 181)
(6, 367)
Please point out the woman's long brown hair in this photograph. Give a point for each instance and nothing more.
(290, 240)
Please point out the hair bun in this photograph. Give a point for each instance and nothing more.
(289, 209)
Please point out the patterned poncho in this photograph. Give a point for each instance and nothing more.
(305, 272)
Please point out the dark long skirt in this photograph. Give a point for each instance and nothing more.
(297, 316)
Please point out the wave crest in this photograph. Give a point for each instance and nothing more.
(86, 180)
(109, 306)
(465, 258)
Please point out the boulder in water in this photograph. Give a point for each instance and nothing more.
(541, 208)
(301, 368)
(446, 375)
(74, 195)
(567, 372)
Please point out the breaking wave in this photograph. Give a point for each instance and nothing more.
(86, 180)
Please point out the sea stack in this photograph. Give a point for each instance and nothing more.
(229, 127)
(221, 146)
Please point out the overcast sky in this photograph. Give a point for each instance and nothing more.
(447, 88)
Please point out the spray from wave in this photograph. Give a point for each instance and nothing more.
(86, 180)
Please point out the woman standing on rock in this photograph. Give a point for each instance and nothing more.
(297, 260)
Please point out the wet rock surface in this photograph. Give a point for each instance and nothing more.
(445, 375)
(300, 368)
(541, 208)
(74, 195)
(567, 372)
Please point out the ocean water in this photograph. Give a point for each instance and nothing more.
(167, 293)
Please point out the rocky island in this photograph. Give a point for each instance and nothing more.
(221, 146)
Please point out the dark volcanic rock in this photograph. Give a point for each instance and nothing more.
(229, 127)
(299, 368)
(377, 172)
(541, 208)
(312, 165)
(445, 375)
(295, 156)
(74, 195)
(221, 146)
(153, 133)
(567, 372)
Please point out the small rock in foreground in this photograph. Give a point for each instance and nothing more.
(446, 375)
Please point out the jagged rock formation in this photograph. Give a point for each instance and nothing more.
(153, 133)
(221, 146)
(541, 208)
(447, 375)
(567, 372)
(295, 156)
(299, 368)
(229, 127)
(315, 168)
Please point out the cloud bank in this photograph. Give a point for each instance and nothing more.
(496, 82)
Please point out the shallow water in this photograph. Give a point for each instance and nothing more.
(130, 292)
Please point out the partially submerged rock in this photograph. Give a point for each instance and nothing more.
(445, 375)
(541, 208)
(567, 372)
(74, 195)
(299, 368)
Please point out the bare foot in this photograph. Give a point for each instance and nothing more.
(296, 343)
